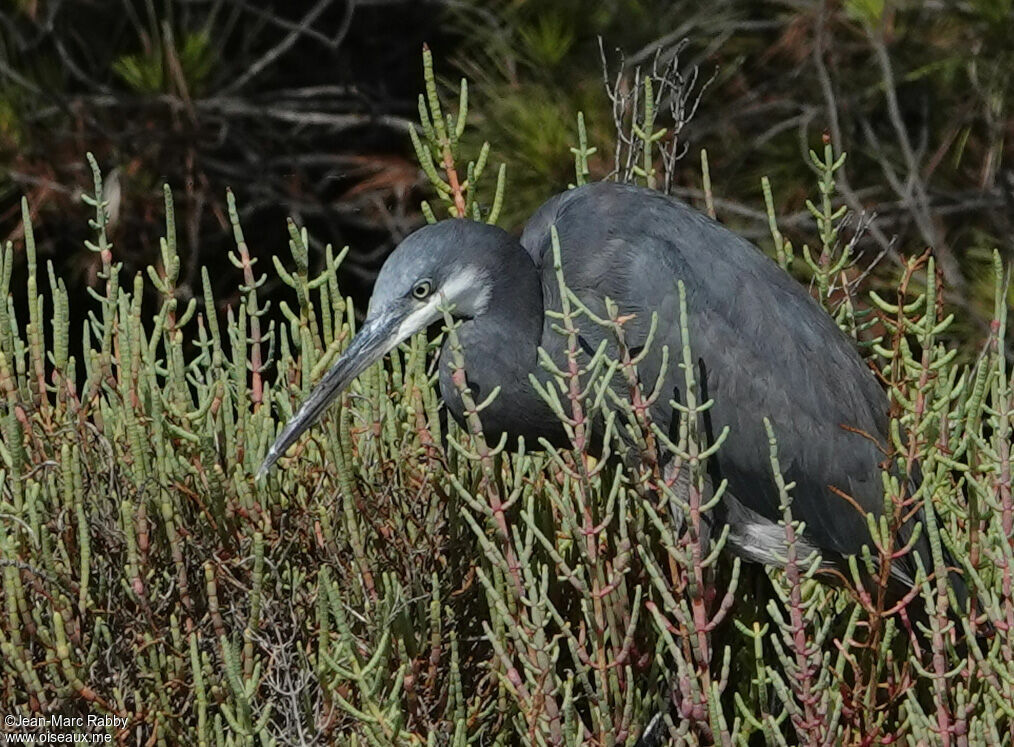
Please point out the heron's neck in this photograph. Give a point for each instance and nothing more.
(513, 319)
(500, 347)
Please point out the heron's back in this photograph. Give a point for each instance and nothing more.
(762, 346)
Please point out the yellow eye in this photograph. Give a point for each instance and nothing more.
(422, 289)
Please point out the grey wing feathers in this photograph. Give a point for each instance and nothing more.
(536, 235)
(763, 347)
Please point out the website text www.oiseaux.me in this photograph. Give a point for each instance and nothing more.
(57, 729)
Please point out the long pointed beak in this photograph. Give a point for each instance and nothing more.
(378, 336)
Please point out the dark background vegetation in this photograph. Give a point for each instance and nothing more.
(301, 107)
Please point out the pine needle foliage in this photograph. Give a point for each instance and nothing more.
(400, 580)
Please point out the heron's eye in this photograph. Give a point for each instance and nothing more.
(422, 289)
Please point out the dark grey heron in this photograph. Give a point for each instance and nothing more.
(763, 346)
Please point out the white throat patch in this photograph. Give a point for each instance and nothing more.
(469, 291)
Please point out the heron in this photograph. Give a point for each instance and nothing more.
(762, 346)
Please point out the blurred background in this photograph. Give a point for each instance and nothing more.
(302, 108)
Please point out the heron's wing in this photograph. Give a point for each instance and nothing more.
(761, 345)
(536, 236)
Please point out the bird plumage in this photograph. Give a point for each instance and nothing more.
(763, 347)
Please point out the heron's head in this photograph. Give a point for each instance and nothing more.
(449, 265)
